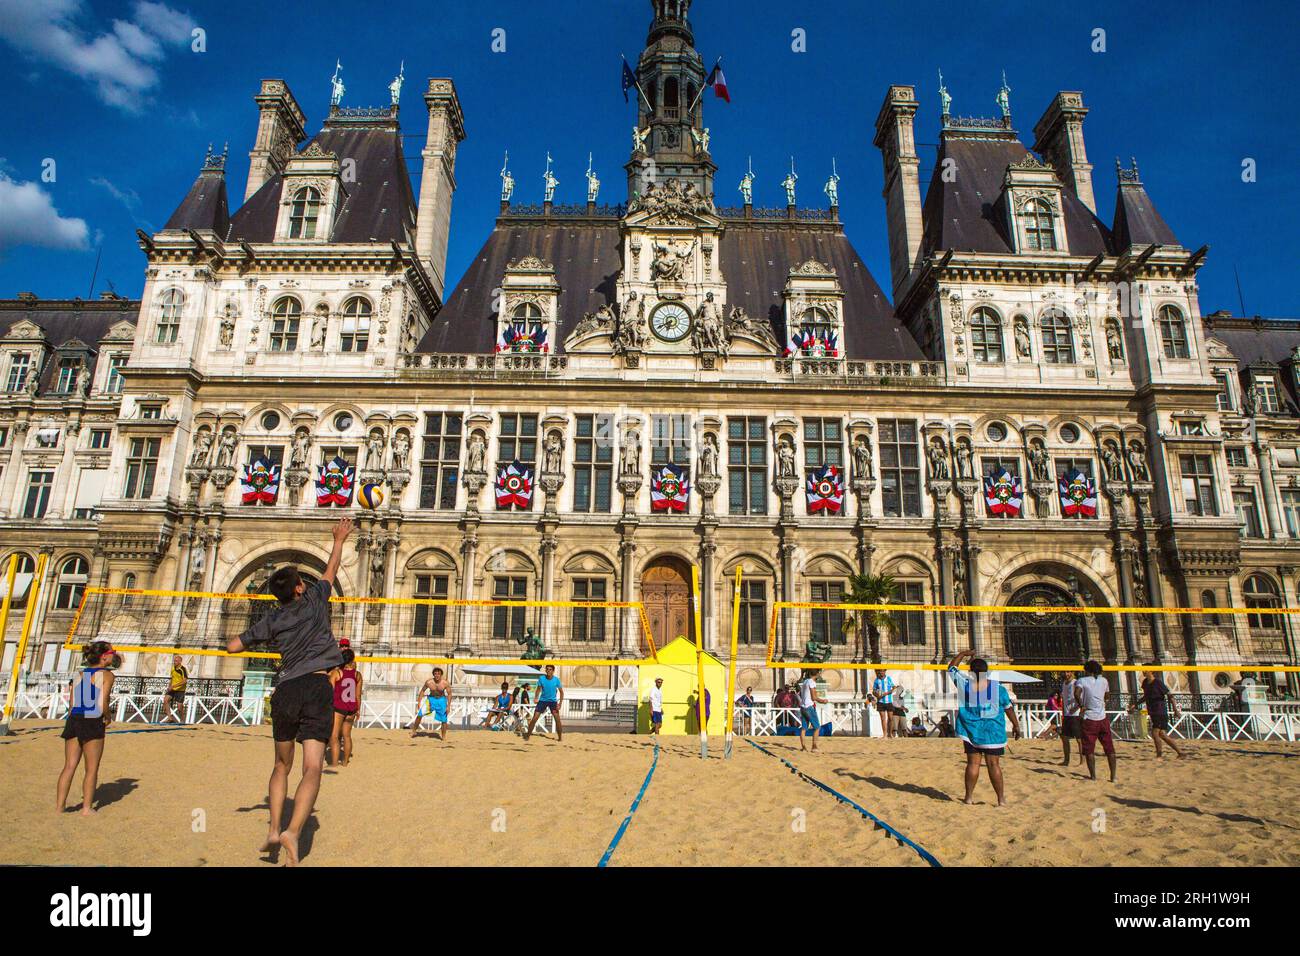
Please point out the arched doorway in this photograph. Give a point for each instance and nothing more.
(1042, 637)
(238, 615)
(666, 593)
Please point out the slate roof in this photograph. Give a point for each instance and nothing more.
(379, 206)
(755, 258)
(67, 320)
(204, 206)
(1137, 222)
(1261, 340)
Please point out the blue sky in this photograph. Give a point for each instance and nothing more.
(114, 95)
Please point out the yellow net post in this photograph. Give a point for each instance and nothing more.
(699, 664)
(731, 664)
(33, 599)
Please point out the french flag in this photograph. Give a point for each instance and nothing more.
(718, 81)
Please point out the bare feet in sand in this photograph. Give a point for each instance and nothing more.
(87, 811)
(272, 842)
(289, 843)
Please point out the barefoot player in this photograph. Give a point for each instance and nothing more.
(302, 708)
(550, 695)
(437, 692)
(176, 689)
(1160, 702)
(983, 707)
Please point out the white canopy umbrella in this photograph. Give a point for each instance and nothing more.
(1012, 677)
(502, 670)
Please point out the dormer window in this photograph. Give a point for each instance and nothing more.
(355, 336)
(525, 330)
(1058, 339)
(304, 213)
(817, 336)
(69, 371)
(169, 317)
(1173, 333)
(1039, 225)
(286, 317)
(986, 335)
(113, 384)
(1224, 396)
(20, 366)
(1266, 390)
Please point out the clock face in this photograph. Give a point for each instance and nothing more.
(670, 322)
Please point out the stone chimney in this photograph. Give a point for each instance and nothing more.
(281, 126)
(902, 190)
(1058, 138)
(438, 180)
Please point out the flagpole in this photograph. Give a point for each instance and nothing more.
(700, 94)
(635, 79)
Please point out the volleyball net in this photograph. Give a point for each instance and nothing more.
(380, 630)
(1032, 638)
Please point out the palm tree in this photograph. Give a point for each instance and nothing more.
(870, 589)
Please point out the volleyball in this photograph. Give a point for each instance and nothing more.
(371, 496)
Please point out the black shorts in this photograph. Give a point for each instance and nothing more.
(1072, 727)
(345, 713)
(986, 751)
(176, 695)
(1159, 721)
(83, 729)
(303, 709)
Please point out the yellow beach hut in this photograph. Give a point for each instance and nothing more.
(677, 666)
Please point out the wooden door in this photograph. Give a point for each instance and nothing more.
(667, 596)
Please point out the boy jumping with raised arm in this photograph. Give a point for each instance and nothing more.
(302, 708)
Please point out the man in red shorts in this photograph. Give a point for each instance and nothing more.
(1090, 693)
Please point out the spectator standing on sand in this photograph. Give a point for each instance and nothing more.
(1090, 693)
(657, 705)
(1071, 719)
(1160, 702)
(882, 688)
(745, 705)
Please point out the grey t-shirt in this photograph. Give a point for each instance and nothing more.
(301, 633)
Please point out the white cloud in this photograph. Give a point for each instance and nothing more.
(120, 63)
(28, 218)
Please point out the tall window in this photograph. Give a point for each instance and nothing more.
(141, 468)
(355, 336)
(304, 213)
(1261, 593)
(1058, 340)
(900, 468)
(508, 623)
(1198, 484)
(909, 626)
(517, 440)
(69, 372)
(20, 366)
(986, 335)
(818, 326)
(1065, 467)
(747, 466)
(100, 438)
(431, 619)
(39, 486)
(286, 317)
(593, 463)
(1248, 512)
(1224, 396)
(71, 585)
(753, 612)
(1173, 333)
(589, 622)
(823, 442)
(169, 317)
(114, 383)
(1266, 388)
(1040, 231)
(26, 565)
(670, 439)
(440, 466)
(827, 624)
(1291, 512)
(1236, 456)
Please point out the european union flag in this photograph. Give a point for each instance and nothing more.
(629, 80)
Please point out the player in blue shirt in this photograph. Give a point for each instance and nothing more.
(983, 706)
(550, 695)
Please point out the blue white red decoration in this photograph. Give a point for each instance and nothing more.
(1078, 495)
(514, 485)
(825, 490)
(1003, 493)
(810, 343)
(523, 337)
(718, 81)
(260, 482)
(670, 488)
(334, 483)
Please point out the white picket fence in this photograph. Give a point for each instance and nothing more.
(847, 718)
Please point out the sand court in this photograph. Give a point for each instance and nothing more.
(194, 796)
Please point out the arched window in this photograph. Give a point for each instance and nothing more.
(817, 336)
(1058, 340)
(986, 335)
(670, 98)
(71, 584)
(1173, 333)
(129, 583)
(169, 317)
(1040, 230)
(286, 316)
(304, 213)
(527, 312)
(1208, 600)
(23, 572)
(1260, 592)
(355, 336)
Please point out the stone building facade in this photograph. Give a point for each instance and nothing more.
(595, 344)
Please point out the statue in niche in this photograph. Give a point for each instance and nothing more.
(964, 464)
(862, 464)
(298, 452)
(938, 456)
(227, 332)
(476, 454)
(1137, 462)
(375, 451)
(1114, 465)
(226, 449)
(319, 323)
(401, 451)
(1114, 347)
(377, 572)
(1038, 464)
(632, 453)
(1023, 349)
(709, 457)
(785, 463)
(554, 454)
(202, 448)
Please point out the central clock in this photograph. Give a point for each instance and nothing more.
(670, 322)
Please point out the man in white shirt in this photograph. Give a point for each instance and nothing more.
(1090, 694)
(882, 688)
(657, 705)
(1071, 720)
(809, 698)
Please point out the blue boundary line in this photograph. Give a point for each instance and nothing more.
(622, 828)
(921, 851)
